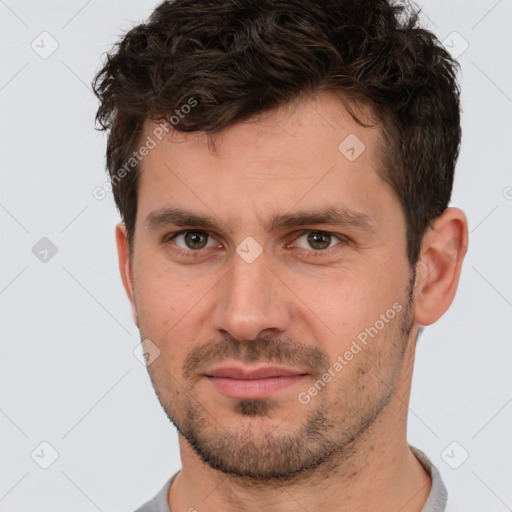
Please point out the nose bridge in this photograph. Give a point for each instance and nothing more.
(249, 300)
(249, 281)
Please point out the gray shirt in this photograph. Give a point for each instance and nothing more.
(436, 501)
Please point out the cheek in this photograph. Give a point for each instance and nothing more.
(156, 300)
(161, 304)
(338, 297)
(162, 292)
(345, 304)
(169, 305)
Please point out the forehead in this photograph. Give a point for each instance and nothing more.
(308, 153)
(322, 120)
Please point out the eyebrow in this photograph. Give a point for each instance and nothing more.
(336, 216)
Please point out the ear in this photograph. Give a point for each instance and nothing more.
(125, 267)
(438, 269)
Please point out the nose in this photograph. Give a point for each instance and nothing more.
(251, 301)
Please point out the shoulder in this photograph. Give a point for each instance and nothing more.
(160, 503)
(438, 497)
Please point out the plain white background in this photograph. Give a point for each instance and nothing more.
(68, 373)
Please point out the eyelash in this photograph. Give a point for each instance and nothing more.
(343, 240)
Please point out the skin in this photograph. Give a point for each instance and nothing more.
(297, 304)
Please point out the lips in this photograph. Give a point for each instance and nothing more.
(255, 383)
(241, 373)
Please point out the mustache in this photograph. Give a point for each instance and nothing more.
(263, 350)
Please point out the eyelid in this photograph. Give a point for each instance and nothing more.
(341, 240)
(171, 236)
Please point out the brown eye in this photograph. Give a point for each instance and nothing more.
(319, 240)
(193, 240)
(196, 239)
(318, 243)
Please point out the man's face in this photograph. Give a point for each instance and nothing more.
(267, 284)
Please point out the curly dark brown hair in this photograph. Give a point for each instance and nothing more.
(239, 58)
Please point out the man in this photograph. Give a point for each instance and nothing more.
(283, 170)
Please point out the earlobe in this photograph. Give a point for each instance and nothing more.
(125, 267)
(439, 267)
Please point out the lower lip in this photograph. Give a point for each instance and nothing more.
(254, 388)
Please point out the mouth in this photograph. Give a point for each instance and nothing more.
(245, 382)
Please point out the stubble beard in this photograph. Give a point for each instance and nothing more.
(262, 452)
